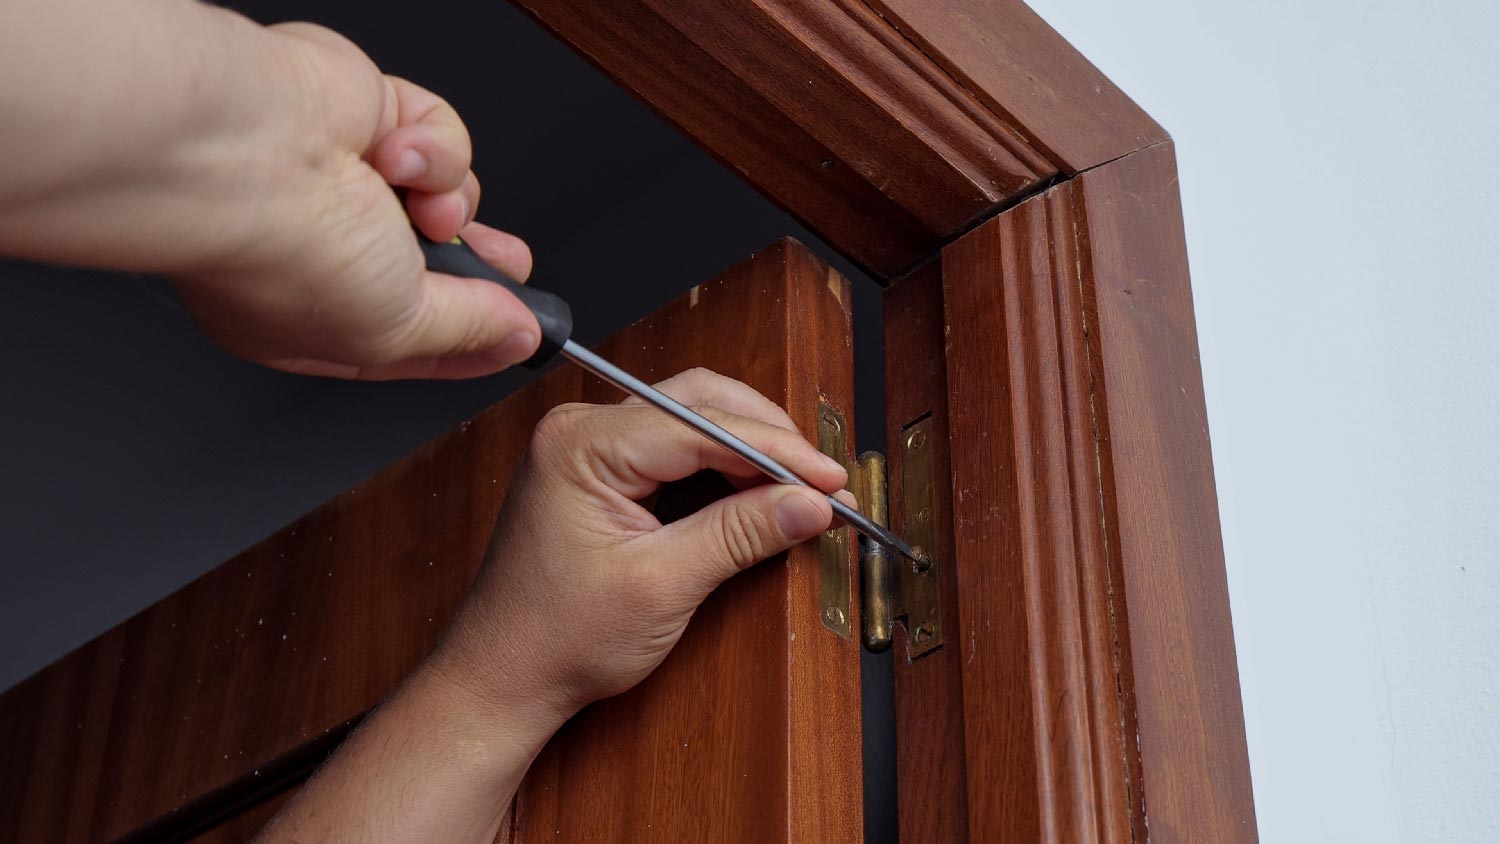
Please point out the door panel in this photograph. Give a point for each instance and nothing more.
(224, 693)
(193, 703)
(765, 745)
(1088, 661)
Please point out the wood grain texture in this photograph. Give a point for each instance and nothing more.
(1029, 76)
(184, 712)
(821, 105)
(200, 695)
(932, 769)
(750, 730)
(1160, 502)
(1026, 625)
(1088, 652)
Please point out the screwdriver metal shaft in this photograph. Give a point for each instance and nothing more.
(647, 393)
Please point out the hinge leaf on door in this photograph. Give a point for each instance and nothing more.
(834, 586)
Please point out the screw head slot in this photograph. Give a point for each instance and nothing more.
(923, 562)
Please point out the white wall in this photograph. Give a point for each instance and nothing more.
(1339, 177)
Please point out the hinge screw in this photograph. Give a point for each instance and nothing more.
(916, 439)
(923, 562)
(835, 616)
(925, 633)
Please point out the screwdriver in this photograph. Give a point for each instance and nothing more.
(556, 320)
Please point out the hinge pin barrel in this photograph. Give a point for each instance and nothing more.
(875, 569)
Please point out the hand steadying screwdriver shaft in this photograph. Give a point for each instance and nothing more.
(556, 320)
(760, 460)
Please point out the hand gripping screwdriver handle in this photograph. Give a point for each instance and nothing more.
(553, 314)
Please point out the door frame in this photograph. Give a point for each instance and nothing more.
(921, 139)
(905, 133)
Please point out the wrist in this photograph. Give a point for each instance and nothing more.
(492, 696)
(432, 762)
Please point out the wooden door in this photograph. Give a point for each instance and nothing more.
(1078, 682)
(1086, 688)
(197, 717)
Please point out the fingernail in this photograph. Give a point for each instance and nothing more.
(411, 165)
(517, 347)
(831, 463)
(798, 517)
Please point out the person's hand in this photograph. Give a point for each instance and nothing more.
(583, 592)
(257, 169)
(332, 282)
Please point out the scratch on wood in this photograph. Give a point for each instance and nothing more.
(836, 285)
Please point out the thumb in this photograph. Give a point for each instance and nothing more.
(739, 531)
(466, 317)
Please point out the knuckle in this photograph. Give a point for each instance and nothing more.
(559, 426)
(741, 536)
(456, 330)
(698, 376)
(713, 414)
(474, 335)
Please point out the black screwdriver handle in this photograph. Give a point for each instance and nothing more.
(552, 313)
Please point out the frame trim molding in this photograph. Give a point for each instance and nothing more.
(888, 126)
(1097, 697)
(1087, 690)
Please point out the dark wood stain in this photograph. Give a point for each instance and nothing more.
(932, 763)
(1161, 507)
(1029, 76)
(1087, 688)
(823, 106)
(750, 730)
(1089, 660)
(181, 714)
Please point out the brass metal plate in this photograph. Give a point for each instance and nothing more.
(875, 592)
(918, 583)
(834, 544)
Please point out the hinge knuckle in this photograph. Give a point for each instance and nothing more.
(891, 587)
(875, 561)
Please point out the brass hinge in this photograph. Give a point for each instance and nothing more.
(833, 546)
(892, 587)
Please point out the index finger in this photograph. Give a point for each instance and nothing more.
(429, 148)
(633, 449)
(700, 386)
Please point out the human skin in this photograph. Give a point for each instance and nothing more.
(441, 759)
(256, 169)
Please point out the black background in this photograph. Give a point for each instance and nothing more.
(140, 456)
